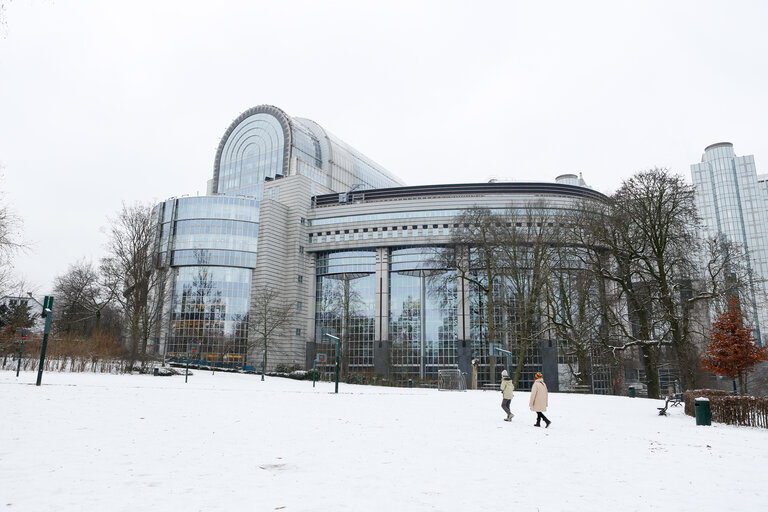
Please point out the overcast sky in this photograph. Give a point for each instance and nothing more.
(103, 101)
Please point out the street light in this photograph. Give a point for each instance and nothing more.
(496, 347)
(319, 358)
(337, 341)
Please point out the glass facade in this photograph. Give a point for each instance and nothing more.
(209, 314)
(369, 280)
(263, 142)
(423, 317)
(253, 151)
(345, 306)
(208, 230)
(209, 246)
(733, 203)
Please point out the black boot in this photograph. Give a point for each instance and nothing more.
(538, 422)
(548, 422)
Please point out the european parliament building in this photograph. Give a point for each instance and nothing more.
(291, 207)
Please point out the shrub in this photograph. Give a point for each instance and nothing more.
(741, 410)
(690, 396)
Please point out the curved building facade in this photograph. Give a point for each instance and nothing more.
(377, 285)
(209, 244)
(264, 143)
(349, 247)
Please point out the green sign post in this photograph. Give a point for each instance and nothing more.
(47, 314)
(22, 339)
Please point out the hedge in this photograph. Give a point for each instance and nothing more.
(726, 408)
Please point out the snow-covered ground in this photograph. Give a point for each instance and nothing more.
(84, 442)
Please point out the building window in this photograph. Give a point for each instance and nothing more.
(298, 332)
(300, 278)
(298, 306)
(302, 220)
(301, 249)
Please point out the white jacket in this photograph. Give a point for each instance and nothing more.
(507, 388)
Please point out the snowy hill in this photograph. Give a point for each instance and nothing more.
(232, 442)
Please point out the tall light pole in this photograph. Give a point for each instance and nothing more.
(47, 314)
(337, 341)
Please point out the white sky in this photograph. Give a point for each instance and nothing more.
(103, 102)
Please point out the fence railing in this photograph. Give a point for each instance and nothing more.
(726, 408)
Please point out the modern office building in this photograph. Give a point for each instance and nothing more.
(292, 208)
(209, 244)
(732, 201)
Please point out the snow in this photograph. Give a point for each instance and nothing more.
(234, 442)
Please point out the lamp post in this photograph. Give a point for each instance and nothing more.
(319, 358)
(47, 314)
(496, 348)
(337, 341)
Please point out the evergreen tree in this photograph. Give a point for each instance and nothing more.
(733, 352)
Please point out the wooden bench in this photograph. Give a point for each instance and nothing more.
(673, 400)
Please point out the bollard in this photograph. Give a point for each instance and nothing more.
(703, 411)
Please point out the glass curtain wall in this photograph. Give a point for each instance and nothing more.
(423, 320)
(506, 321)
(253, 151)
(209, 314)
(344, 307)
(209, 245)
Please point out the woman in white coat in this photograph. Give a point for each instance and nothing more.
(507, 392)
(539, 400)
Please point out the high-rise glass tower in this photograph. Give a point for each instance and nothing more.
(733, 202)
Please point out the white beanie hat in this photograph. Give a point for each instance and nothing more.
(504, 373)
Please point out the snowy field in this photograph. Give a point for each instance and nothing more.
(85, 442)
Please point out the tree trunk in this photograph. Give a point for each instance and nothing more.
(651, 370)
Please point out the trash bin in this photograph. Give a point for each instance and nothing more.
(156, 372)
(631, 392)
(410, 383)
(703, 411)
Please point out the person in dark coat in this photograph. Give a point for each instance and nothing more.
(507, 392)
(539, 400)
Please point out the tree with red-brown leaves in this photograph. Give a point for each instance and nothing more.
(733, 351)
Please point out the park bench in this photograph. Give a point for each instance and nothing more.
(673, 400)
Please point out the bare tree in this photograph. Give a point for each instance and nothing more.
(574, 313)
(612, 246)
(270, 314)
(507, 258)
(132, 277)
(526, 250)
(82, 300)
(10, 243)
(661, 275)
(474, 252)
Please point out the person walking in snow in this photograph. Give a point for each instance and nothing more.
(507, 392)
(539, 399)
